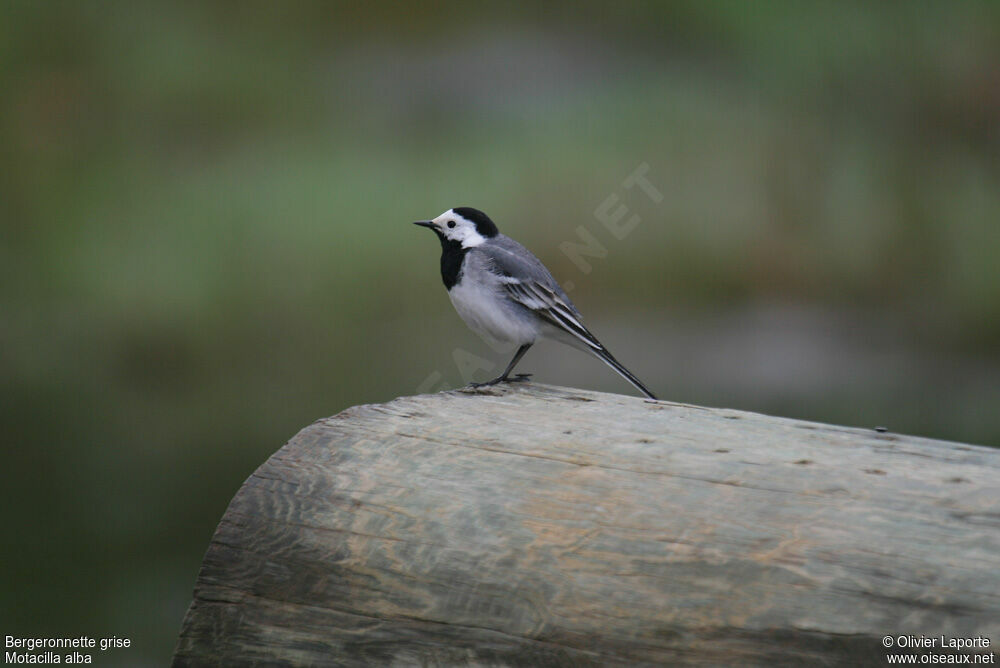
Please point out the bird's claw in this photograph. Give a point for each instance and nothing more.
(519, 378)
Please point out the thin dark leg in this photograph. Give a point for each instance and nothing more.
(510, 367)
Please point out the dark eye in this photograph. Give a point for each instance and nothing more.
(451, 223)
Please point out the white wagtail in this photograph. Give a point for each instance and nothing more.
(503, 292)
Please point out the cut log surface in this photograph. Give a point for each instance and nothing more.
(530, 525)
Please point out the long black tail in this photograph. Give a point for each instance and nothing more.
(609, 359)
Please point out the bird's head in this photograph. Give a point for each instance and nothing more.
(462, 225)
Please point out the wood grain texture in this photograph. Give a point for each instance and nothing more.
(541, 526)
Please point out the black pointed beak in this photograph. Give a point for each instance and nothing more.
(425, 223)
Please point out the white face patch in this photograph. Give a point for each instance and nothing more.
(457, 228)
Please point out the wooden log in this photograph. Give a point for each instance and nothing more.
(535, 525)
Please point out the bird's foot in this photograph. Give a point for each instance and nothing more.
(519, 378)
(489, 383)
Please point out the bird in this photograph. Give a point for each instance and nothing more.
(504, 293)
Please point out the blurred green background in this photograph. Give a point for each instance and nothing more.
(206, 246)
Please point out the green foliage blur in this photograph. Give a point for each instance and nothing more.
(205, 240)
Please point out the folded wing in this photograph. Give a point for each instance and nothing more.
(545, 302)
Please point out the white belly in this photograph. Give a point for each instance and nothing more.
(486, 314)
